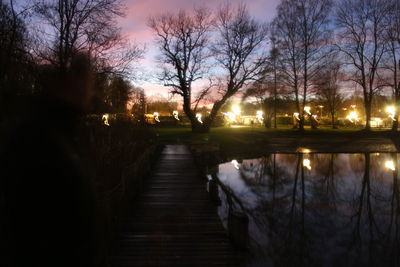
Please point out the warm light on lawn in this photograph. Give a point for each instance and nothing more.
(390, 165)
(352, 117)
(236, 110)
(231, 116)
(156, 118)
(198, 116)
(175, 114)
(307, 164)
(105, 119)
(391, 110)
(378, 121)
(259, 116)
(296, 115)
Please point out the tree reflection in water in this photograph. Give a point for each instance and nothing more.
(342, 210)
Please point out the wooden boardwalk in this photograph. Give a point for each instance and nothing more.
(174, 223)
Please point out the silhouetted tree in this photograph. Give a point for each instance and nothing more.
(263, 92)
(328, 88)
(83, 25)
(160, 104)
(182, 40)
(239, 53)
(16, 65)
(100, 104)
(392, 38)
(361, 31)
(301, 29)
(119, 93)
(139, 102)
(273, 60)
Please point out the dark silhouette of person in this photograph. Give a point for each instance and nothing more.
(49, 202)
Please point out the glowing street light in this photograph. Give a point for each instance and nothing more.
(175, 114)
(391, 110)
(156, 116)
(296, 115)
(390, 165)
(105, 119)
(231, 116)
(378, 121)
(307, 109)
(198, 116)
(259, 116)
(353, 117)
(236, 110)
(307, 164)
(321, 107)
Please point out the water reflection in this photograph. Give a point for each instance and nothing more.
(318, 209)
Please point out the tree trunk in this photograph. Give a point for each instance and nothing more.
(314, 123)
(267, 121)
(301, 124)
(395, 124)
(197, 127)
(275, 96)
(368, 115)
(333, 120)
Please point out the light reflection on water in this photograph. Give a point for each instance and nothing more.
(318, 209)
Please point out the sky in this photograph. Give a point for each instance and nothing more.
(135, 28)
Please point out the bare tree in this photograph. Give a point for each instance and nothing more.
(392, 38)
(13, 37)
(361, 29)
(329, 88)
(16, 65)
(258, 90)
(83, 25)
(138, 101)
(182, 40)
(301, 29)
(273, 59)
(239, 53)
(261, 90)
(267, 88)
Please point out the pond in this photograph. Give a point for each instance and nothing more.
(314, 209)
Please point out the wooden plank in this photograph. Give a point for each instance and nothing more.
(174, 223)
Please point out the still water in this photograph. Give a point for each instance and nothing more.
(316, 209)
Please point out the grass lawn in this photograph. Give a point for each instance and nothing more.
(260, 140)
